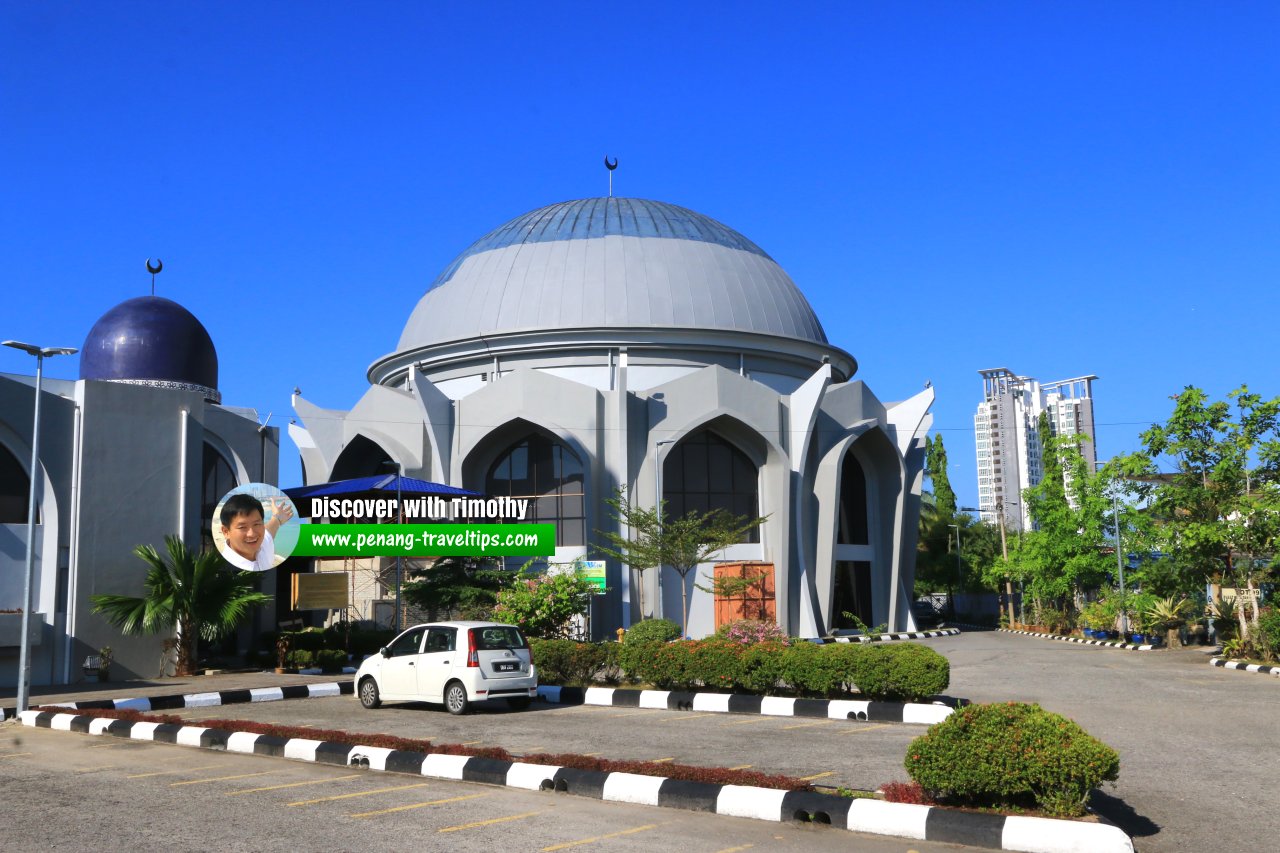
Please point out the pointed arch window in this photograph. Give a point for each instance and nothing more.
(705, 472)
(853, 503)
(216, 479)
(15, 489)
(550, 476)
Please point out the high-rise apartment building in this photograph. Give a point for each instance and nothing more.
(1007, 429)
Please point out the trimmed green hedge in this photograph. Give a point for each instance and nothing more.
(1011, 754)
(904, 671)
(652, 631)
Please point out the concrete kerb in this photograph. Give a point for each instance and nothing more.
(927, 823)
(916, 713)
(1136, 647)
(1248, 667)
(888, 638)
(210, 699)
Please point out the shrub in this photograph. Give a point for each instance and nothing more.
(906, 792)
(331, 660)
(1011, 754)
(760, 667)
(713, 663)
(301, 658)
(1269, 632)
(908, 672)
(567, 662)
(544, 604)
(748, 632)
(811, 668)
(652, 631)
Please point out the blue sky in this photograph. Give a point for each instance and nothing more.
(1060, 189)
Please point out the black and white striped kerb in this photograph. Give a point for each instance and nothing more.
(924, 823)
(1249, 667)
(884, 638)
(739, 703)
(205, 700)
(1144, 647)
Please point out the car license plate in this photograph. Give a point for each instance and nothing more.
(505, 667)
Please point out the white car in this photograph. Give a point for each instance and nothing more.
(456, 663)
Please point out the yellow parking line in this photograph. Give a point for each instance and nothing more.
(292, 785)
(471, 743)
(629, 714)
(418, 805)
(749, 722)
(808, 725)
(359, 794)
(818, 776)
(736, 849)
(15, 755)
(688, 717)
(632, 831)
(741, 767)
(865, 729)
(488, 822)
(171, 772)
(92, 769)
(218, 779)
(592, 754)
(109, 745)
(661, 760)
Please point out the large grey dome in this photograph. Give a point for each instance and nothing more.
(610, 263)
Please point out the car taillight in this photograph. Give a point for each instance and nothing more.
(473, 656)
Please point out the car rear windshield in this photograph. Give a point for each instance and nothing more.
(499, 637)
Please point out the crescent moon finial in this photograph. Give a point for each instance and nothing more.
(608, 165)
(153, 270)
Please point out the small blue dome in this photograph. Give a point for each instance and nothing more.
(151, 340)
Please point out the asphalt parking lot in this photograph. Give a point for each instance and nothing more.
(66, 791)
(1197, 743)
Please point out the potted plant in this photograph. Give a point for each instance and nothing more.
(104, 663)
(282, 654)
(1167, 615)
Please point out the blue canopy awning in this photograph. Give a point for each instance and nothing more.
(377, 483)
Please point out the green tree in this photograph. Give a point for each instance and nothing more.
(1068, 548)
(199, 594)
(681, 543)
(1218, 514)
(544, 604)
(466, 585)
(944, 497)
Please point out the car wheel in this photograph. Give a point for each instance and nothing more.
(369, 697)
(455, 698)
(518, 703)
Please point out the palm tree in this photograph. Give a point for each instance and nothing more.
(198, 593)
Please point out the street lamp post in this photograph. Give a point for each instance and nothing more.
(400, 516)
(956, 527)
(24, 645)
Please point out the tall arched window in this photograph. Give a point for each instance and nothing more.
(216, 479)
(550, 476)
(853, 503)
(15, 489)
(705, 472)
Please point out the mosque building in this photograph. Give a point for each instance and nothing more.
(139, 447)
(616, 342)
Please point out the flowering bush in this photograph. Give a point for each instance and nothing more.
(543, 605)
(1011, 754)
(748, 632)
